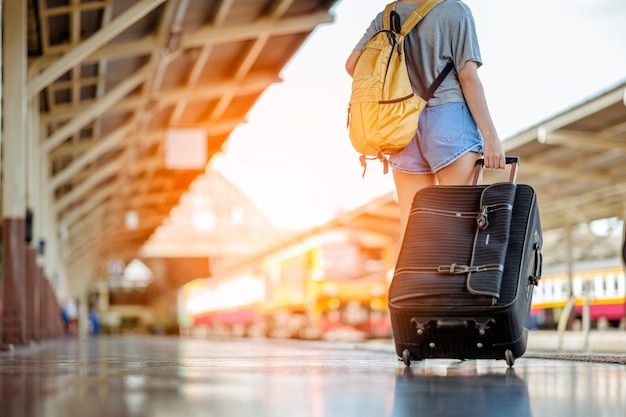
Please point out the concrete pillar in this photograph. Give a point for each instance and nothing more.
(31, 290)
(14, 171)
(83, 314)
(40, 326)
(34, 203)
(52, 325)
(569, 306)
(1, 118)
(622, 324)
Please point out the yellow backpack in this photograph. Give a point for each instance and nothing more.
(384, 112)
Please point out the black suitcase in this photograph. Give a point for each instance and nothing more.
(466, 270)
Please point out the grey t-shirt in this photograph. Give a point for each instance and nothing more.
(446, 33)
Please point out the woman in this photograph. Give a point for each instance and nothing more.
(456, 127)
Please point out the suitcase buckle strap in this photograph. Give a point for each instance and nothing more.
(481, 219)
(463, 269)
(453, 269)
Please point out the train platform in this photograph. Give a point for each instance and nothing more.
(597, 342)
(599, 346)
(169, 376)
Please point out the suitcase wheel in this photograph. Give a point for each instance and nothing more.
(406, 357)
(508, 356)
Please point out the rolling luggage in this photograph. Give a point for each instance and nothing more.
(466, 270)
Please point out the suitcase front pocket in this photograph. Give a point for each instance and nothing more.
(491, 239)
(455, 245)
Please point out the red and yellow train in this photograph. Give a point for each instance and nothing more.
(604, 287)
(322, 285)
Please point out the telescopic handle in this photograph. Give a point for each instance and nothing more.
(512, 160)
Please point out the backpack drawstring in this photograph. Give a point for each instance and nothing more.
(348, 119)
(381, 157)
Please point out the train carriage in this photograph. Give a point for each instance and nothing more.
(604, 286)
(327, 284)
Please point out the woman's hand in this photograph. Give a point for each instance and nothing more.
(493, 153)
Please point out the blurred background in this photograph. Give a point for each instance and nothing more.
(197, 176)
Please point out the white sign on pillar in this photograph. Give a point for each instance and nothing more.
(185, 149)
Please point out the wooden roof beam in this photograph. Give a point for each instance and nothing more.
(95, 110)
(78, 53)
(250, 85)
(206, 36)
(108, 143)
(569, 173)
(578, 140)
(104, 172)
(270, 26)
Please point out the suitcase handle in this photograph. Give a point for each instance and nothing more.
(480, 164)
(537, 267)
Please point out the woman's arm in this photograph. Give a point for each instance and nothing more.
(493, 151)
(351, 62)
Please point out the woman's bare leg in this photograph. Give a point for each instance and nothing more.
(460, 172)
(406, 187)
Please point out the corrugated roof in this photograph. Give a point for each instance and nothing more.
(112, 77)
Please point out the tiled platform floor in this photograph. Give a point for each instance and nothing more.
(158, 376)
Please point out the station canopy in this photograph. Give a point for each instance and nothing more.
(116, 83)
(135, 97)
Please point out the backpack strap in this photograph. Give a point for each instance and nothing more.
(408, 25)
(442, 75)
(417, 15)
(391, 7)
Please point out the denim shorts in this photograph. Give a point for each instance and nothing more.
(445, 133)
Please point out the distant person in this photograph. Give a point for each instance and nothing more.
(66, 321)
(456, 126)
(72, 316)
(95, 322)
